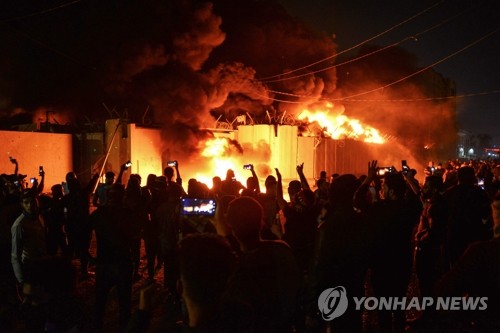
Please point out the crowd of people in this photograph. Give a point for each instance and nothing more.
(261, 262)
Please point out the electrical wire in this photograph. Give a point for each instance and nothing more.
(412, 37)
(424, 68)
(45, 11)
(355, 46)
(425, 99)
(48, 47)
(350, 98)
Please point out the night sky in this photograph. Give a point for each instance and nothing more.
(186, 62)
(458, 23)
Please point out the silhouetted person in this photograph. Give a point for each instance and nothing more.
(300, 227)
(476, 274)
(101, 193)
(28, 236)
(52, 302)
(253, 186)
(267, 277)
(216, 190)
(206, 262)
(430, 235)
(269, 203)
(469, 214)
(168, 217)
(156, 192)
(77, 227)
(137, 201)
(114, 232)
(231, 186)
(55, 220)
(340, 256)
(392, 220)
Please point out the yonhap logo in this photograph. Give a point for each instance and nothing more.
(332, 303)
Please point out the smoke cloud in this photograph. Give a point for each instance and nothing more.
(193, 62)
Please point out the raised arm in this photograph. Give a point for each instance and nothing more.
(303, 180)
(257, 184)
(123, 167)
(360, 196)
(40, 186)
(178, 180)
(279, 190)
(14, 161)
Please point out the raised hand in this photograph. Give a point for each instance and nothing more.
(278, 174)
(300, 168)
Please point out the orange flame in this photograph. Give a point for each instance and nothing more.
(219, 154)
(340, 126)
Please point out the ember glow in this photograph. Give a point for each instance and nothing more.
(221, 158)
(338, 126)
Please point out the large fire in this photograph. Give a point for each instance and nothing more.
(221, 157)
(222, 154)
(338, 126)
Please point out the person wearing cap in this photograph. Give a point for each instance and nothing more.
(28, 236)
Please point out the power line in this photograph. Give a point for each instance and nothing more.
(424, 68)
(413, 37)
(350, 98)
(355, 46)
(45, 11)
(483, 93)
(60, 53)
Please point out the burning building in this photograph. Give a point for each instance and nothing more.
(321, 142)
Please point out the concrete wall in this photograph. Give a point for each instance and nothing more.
(145, 151)
(32, 149)
(142, 146)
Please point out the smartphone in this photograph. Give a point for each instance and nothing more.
(198, 207)
(172, 163)
(128, 164)
(32, 180)
(383, 170)
(404, 167)
(480, 183)
(40, 170)
(247, 167)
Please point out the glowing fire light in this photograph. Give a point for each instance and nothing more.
(219, 152)
(340, 126)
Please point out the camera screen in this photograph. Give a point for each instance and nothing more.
(193, 206)
(383, 170)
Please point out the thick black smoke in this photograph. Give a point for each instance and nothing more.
(187, 62)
